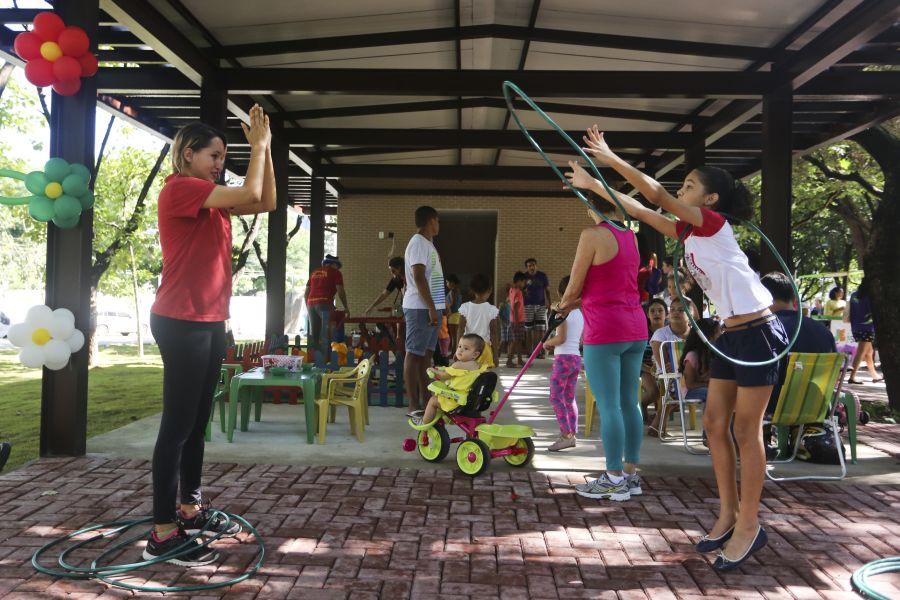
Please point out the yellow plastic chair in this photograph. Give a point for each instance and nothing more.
(810, 395)
(590, 404)
(348, 389)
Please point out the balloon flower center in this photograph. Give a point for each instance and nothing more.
(40, 336)
(53, 190)
(51, 51)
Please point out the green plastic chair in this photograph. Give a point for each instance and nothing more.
(810, 395)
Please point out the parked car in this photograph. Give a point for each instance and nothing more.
(111, 321)
(4, 325)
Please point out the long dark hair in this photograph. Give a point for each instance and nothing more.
(734, 197)
(709, 327)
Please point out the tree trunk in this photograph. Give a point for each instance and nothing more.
(137, 303)
(5, 72)
(883, 257)
(91, 333)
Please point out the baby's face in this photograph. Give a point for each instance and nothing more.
(465, 351)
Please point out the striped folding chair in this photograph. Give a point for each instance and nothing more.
(810, 395)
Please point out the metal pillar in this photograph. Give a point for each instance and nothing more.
(64, 392)
(695, 153)
(276, 257)
(316, 223)
(775, 205)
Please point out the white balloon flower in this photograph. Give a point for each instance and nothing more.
(47, 337)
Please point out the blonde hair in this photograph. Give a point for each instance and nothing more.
(195, 136)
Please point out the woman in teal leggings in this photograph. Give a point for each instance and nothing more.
(604, 277)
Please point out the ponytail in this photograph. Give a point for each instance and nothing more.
(734, 197)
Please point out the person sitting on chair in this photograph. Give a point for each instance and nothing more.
(457, 379)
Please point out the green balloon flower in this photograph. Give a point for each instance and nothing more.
(60, 192)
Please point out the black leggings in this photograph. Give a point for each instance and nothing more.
(192, 354)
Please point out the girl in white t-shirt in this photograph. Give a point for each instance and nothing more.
(752, 332)
(564, 378)
(482, 318)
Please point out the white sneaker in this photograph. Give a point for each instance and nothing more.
(603, 488)
(634, 484)
(562, 443)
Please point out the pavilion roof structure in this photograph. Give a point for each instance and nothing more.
(404, 97)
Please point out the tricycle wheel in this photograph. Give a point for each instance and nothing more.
(473, 457)
(433, 443)
(520, 460)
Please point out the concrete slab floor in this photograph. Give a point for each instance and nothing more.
(279, 438)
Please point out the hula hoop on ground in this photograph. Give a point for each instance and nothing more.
(679, 254)
(859, 580)
(509, 88)
(106, 572)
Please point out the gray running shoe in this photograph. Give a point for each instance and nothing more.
(603, 488)
(634, 484)
(562, 443)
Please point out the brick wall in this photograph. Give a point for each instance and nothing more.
(546, 229)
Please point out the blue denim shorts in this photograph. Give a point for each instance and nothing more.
(421, 335)
(754, 344)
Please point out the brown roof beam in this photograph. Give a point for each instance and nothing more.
(473, 82)
(513, 32)
(468, 138)
(457, 172)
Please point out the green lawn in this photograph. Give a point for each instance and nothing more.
(121, 389)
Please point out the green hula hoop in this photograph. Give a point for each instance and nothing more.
(509, 88)
(859, 580)
(679, 254)
(106, 572)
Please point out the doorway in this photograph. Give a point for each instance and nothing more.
(467, 243)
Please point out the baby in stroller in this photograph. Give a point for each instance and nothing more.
(457, 379)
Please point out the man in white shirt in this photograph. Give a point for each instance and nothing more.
(423, 301)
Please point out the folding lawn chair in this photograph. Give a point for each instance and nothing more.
(810, 395)
(674, 397)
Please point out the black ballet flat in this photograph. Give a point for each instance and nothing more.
(708, 544)
(723, 564)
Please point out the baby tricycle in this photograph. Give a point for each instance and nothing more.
(483, 439)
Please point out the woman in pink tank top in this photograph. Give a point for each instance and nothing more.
(604, 277)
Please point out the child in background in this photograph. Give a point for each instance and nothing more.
(458, 377)
(482, 318)
(566, 367)
(454, 300)
(695, 360)
(516, 320)
(503, 305)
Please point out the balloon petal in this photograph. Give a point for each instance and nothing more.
(75, 341)
(39, 72)
(36, 182)
(32, 357)
(19, 334)
(63, 324)
(87, 200)
(48, 26)
(41, 209)
(56, 354)
(67, 87)
(28, 45)
(39, 315)
(57, 169)
(74, 42)
(89, 65)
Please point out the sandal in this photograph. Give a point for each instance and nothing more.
(879, 380)
(855, 381)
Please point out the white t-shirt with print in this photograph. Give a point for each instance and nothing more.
(574, 330)
(478, 318)
(718, 264)
(665, 334)
(420, 251)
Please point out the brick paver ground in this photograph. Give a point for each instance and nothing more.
(401, 533)
(881, 436)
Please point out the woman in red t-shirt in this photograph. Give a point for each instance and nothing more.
(188, 318)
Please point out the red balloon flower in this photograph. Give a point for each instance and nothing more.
(56, 55)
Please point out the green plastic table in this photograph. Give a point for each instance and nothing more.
(255, 380)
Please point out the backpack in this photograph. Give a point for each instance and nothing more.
(817, 445)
